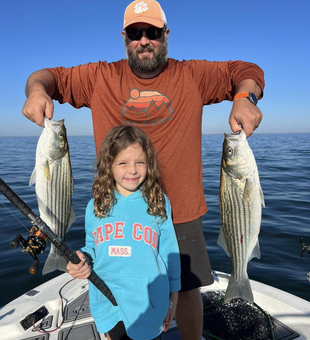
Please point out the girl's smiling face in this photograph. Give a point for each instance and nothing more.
(129, 169)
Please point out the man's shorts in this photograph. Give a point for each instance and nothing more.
(195, 265)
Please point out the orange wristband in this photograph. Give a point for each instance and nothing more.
(248, 95)
(241, 95)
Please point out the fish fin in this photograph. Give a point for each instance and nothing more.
(46, 171)
(32, 177)
(248, 189)
(221, 241)
(255, 252)
(54, 261)
(262, 199)
(240, 289)
(72, 219)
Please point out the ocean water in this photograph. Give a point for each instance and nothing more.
(284, 169)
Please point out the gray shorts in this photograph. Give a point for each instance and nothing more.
(195, 265)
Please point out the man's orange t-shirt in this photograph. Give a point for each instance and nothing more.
(167, 107)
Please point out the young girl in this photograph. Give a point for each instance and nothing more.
(131, 240)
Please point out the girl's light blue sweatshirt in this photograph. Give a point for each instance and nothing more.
(137, 256)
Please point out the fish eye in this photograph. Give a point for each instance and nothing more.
(61, 135)
(229, 151)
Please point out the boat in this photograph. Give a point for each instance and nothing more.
(59, 309)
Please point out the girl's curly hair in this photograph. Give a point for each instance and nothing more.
(118, 139)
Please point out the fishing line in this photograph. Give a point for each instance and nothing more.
(62, 313)
(15, 216)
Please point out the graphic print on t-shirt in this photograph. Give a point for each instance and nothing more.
(142, 102)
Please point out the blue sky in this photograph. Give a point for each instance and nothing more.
(273, 34)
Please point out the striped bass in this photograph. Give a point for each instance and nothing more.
(241, 199)
(53, 180)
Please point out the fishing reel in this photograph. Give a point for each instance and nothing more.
(34, 245)
(304, 248)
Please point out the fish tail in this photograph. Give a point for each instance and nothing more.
(239, 289)
(54, 261)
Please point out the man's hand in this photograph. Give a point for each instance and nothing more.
(81, 270)
(244, 115)
(40, 87)
(38, 105)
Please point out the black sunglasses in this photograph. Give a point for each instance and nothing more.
(153, 33)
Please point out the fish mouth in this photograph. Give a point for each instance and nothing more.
(57, 122)
(54, 122)
(235, 136)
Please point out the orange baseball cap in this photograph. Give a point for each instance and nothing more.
(146, 11)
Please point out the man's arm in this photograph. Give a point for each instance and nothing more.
(40, 87)
(244, 114)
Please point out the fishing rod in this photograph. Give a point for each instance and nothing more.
(35, 244)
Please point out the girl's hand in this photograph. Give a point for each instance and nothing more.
(171, 311)
(81, 270)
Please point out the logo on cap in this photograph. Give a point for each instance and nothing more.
(141, 7)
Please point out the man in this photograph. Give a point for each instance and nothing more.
(165, 98)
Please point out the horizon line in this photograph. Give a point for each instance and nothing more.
(218, 133)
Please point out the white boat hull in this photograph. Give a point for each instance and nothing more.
(284, 307)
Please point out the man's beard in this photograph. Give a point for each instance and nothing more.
(147, 65)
